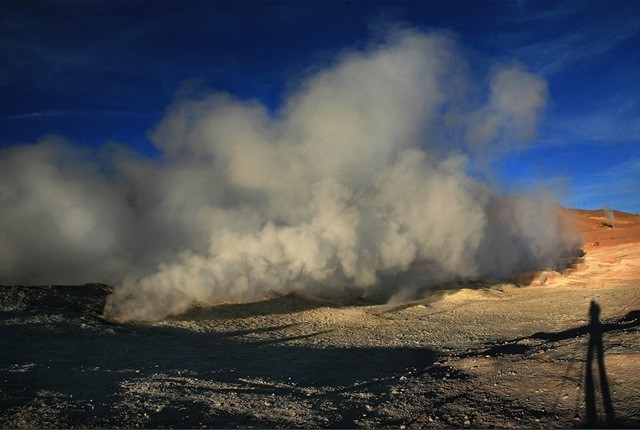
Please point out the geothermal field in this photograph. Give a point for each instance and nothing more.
(211, 217)
(539, 349)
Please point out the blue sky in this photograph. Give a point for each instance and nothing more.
(106, 71)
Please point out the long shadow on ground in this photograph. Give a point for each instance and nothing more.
(595, 352)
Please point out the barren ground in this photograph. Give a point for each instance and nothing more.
(482, 354)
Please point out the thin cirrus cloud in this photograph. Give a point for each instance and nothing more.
(620, 184)
(72, 113)
(580, 34)
(561, 53)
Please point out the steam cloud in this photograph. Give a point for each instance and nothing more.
(608, 213)
(357, 183)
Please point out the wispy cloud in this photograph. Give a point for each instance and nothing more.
(602, 127)
(579, 34)
(556, 55)
(74, 113)
(618, 186)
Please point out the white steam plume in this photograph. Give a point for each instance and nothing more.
(357, 182)
(608, 213)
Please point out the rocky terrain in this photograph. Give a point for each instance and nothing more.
(545, 349)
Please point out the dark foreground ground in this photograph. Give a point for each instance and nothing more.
(301, 362)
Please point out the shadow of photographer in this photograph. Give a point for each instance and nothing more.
(595, 348)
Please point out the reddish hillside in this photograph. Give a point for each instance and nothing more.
(596, 230)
